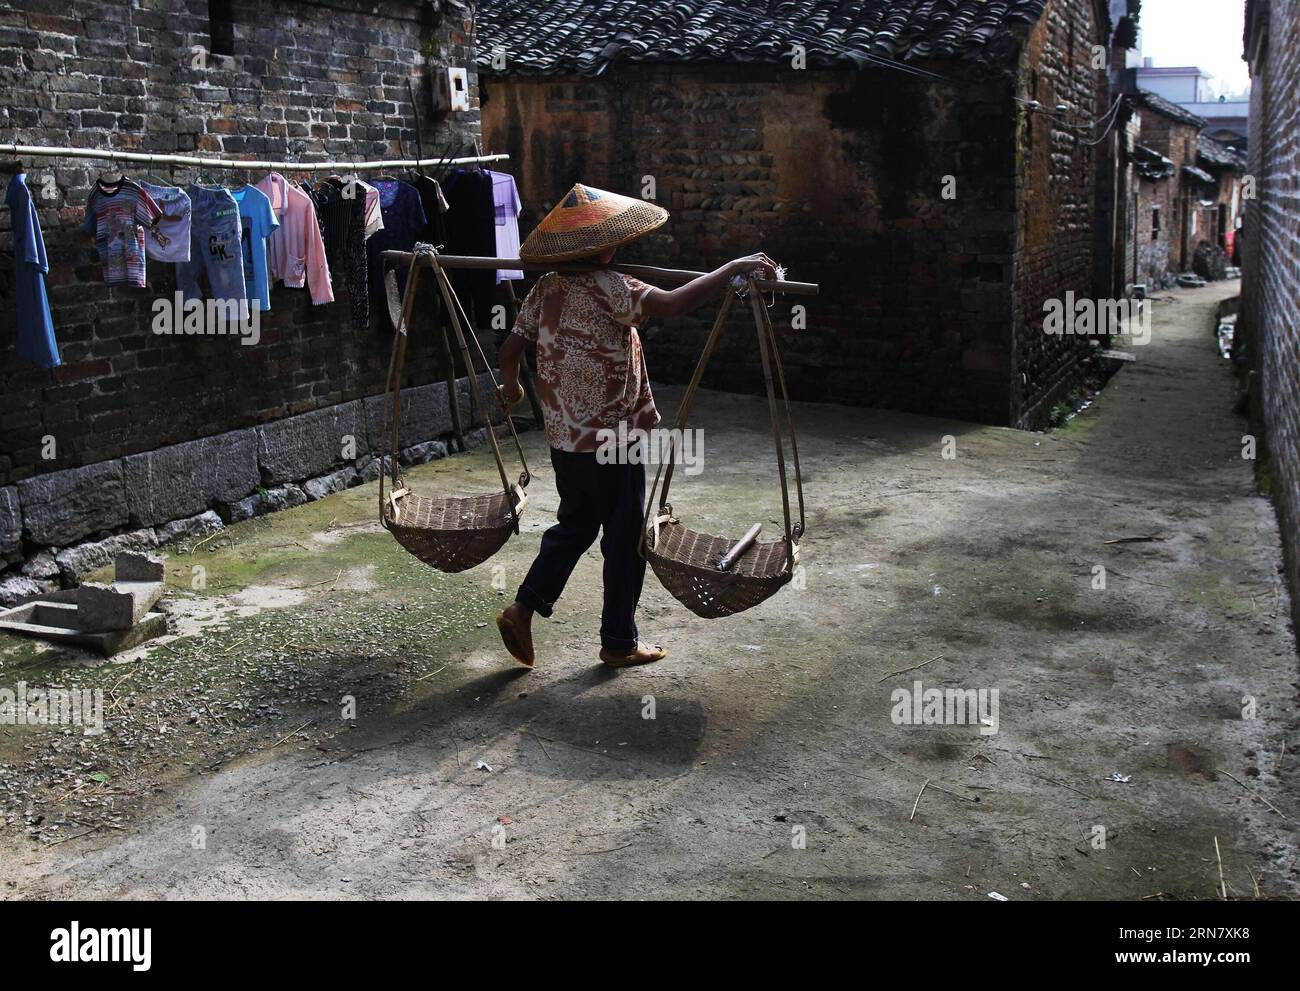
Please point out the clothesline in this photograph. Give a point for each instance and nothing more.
(148, 158)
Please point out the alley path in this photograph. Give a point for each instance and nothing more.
(977, 573)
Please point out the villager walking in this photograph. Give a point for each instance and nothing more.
(592, 378)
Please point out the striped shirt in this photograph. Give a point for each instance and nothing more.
(117, 215)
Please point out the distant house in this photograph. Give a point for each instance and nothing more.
(1189, 87)
(932, 165)
(1227, 167)
(1170, 190)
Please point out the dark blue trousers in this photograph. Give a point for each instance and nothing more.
(593, 496)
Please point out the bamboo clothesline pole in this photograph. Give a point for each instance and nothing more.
(649, 273)
(147, 158)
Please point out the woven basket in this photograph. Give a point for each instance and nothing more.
(686, 563)
(452, 533)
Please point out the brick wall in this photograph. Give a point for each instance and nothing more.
(1177, 142)
(1270, 311)
(838, 176)
(1056, 190)
(1156, 248)
(308, 79)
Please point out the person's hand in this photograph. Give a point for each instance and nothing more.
(757, 264)
(506, 401)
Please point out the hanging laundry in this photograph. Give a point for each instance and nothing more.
(435, 209)
(374, 212)
(343, 223)
(505, 201)
(257, 221)
(117, 215)
(472, 230)
(169, 239)
(35, 325)
(215, 248)
(404, 224)
(296, 248)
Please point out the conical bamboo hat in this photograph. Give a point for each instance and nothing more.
(588, 221)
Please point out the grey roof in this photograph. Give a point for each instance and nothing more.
(1216, 154)
(587, 36)
(1204, 176)
(1151, 164)
(1156, 102)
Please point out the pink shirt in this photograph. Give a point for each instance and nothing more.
(591, 371)
(295, 249)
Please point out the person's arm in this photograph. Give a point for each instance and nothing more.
(683, 299)
(512, 352)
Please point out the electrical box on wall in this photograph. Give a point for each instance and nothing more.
(450, 88)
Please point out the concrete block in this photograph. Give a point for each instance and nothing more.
(119, 606)
(47, 619)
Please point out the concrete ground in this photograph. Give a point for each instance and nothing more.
(772, 767)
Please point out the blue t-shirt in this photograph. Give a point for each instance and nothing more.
(257, 220)
(35, 325)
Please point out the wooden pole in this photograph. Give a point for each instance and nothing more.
(649, 273)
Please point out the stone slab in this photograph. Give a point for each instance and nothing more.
(62, 507)
(183, 480)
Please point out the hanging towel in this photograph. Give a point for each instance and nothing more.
(35, 325)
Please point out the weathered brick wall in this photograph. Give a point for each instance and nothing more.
(1156, 248)
(1177, 142)
(1056, 194)
(835, 174)
(1270, 314)
(308, 79)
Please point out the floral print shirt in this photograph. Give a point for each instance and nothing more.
(591, 369)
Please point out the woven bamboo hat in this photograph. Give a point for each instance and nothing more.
(588, 221)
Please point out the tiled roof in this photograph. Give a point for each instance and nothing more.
(1151, 164)
(1218, 155)
(587, 36)
(1156, 102)
(1204, 176)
